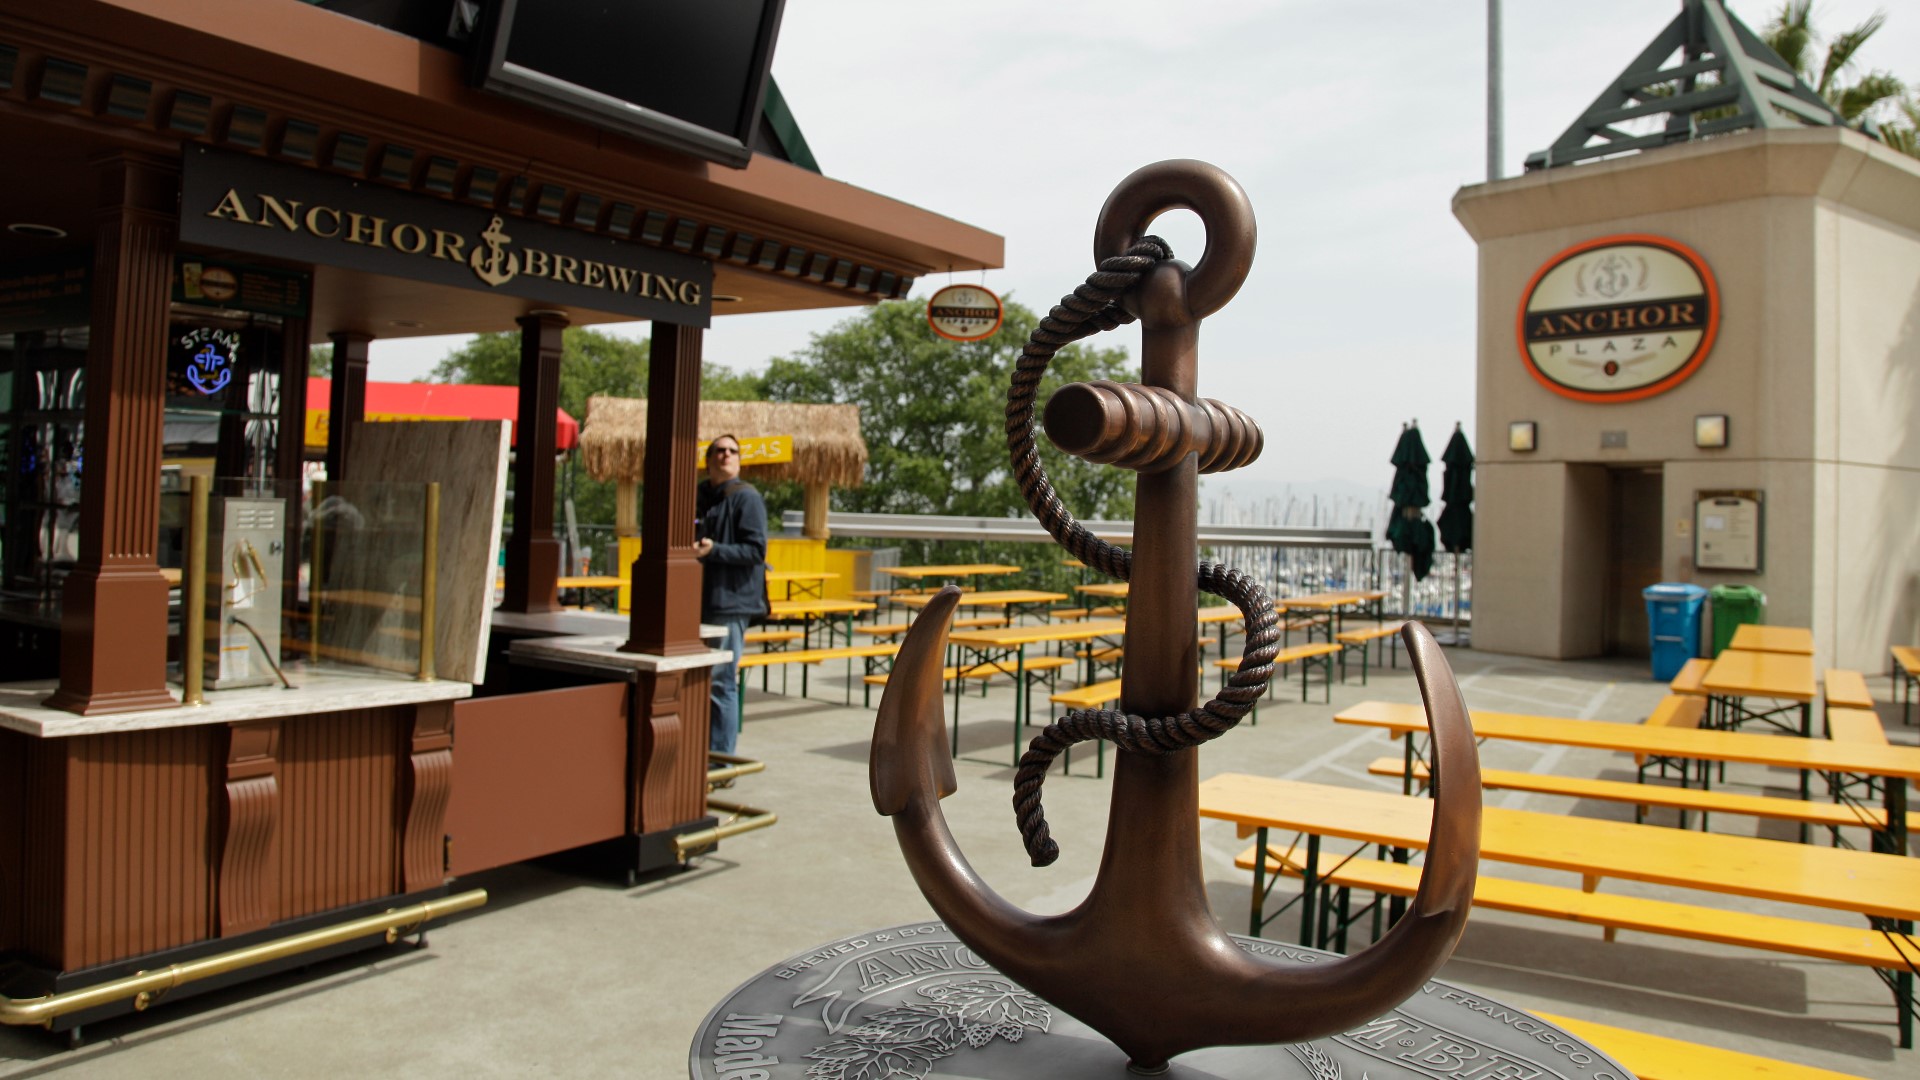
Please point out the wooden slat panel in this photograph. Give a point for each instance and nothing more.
(537, 773)
(117, 855)
(337, 778)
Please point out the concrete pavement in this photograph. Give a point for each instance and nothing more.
(569, 975)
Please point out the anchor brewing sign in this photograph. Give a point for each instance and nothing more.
(965, 313)
(1619, 318)
(232, 202)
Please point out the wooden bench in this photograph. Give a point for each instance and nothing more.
(1319, 654)
(1090, 696)
(1360, 637)
(777, 639)
(1677, 711)
(987, 670)
(1075, 614)
(1905, 673)
(1846, 689)
(1854, 725)
(1861, 945)
(887, 630)
(1656, 1057)
(1641, 796)
(1688, 681)
(810, 657)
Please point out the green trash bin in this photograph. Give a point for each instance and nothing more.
(1734, 605)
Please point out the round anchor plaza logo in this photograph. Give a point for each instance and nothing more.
(1619, 318)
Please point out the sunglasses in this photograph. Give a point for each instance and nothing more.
(734, 450)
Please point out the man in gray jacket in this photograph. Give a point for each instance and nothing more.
(732, 546)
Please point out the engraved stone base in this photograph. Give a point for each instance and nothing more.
(912, 1001)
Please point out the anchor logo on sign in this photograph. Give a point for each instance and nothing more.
(208, 371)
(494, 264)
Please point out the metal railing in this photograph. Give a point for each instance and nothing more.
(1289, 560)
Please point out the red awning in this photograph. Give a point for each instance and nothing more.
(465, 401)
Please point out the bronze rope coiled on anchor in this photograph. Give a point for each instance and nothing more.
(1091, 308)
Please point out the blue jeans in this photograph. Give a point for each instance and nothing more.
(723, 732)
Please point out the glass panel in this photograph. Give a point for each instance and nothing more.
(367, 542)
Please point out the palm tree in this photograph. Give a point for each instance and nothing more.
(1791, 34)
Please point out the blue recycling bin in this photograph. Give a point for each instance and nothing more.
(1673, 625)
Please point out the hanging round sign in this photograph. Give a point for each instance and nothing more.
(1619, 318)
(965, 312)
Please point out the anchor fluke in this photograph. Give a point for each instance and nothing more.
(908, 756)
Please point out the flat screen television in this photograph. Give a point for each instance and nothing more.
(686, 74)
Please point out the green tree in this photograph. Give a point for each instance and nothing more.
(592, 363)
(933, 414)
(320, 361)
(1874, 96)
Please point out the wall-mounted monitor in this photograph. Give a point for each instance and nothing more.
(686, 74)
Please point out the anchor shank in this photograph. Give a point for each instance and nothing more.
(1160, 677)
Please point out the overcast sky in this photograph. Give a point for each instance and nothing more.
(1350, 123)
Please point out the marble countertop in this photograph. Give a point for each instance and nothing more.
(603, 650)
(314, 692)
(573, 623)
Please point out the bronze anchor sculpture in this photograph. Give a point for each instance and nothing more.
(1142, 959)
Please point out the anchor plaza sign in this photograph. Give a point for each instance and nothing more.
(238, 203)
(1619, 318)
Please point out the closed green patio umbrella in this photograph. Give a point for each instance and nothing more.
(1456, 521)
(1408, 529)
(1456, 488)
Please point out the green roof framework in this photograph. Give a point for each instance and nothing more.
(1728, 80)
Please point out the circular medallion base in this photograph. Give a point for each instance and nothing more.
(913, 1001)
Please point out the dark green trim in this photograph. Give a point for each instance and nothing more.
(786, 129)
(1753, 88)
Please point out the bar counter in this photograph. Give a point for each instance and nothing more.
(142, 839)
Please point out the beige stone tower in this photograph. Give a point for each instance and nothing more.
(1812, 237)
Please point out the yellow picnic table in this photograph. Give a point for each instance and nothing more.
(994, 646)
(814, 608)
(1906, 677)
(1871, 884)
(590, 583)
(1113, 590)
(1752, 637)
(1331, 604)
(1014, 602)
(1884, 888)
(1896, 764)
(1737, 674)
(1226, 617)
(809, 583)
(948, 573)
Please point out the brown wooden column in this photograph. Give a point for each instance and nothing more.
(346, 398)
(533, 553)
(113, 623)
(666, 578)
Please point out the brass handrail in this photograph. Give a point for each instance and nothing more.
(193, 582)
(144, 987)
(731, 765)
(315, 573)
(429, 581)
(743, 819)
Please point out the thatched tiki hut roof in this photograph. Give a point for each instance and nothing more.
(827, 448)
